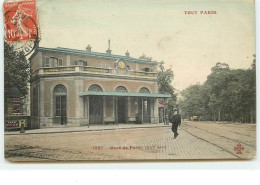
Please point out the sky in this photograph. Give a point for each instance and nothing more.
(188, 44)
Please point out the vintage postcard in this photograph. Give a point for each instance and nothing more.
(116, 80)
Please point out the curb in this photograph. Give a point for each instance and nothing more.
(70, 131)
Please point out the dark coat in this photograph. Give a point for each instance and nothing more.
(175, 119)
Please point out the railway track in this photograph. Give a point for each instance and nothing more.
(235, 140)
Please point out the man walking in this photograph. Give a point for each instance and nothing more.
(176, 121)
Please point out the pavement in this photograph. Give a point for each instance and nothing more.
(67, 129)
(196, 141)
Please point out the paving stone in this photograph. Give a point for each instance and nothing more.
(196, 140)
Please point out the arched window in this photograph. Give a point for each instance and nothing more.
(60, 98)
(121, 89)
(144, 90)
(95, 88)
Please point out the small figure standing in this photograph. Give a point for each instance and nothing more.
(175, 119)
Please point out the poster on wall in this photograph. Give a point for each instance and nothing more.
(117, 80)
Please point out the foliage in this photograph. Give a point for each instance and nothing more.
(227, 95)
(164, 80)
(144, 57)
(16, 70)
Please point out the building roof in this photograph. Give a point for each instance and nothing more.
(96, 54)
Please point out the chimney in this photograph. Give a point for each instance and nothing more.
(88, 48)
(108, 50)
(127, 54)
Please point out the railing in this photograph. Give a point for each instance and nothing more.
(144, 74)
(97, 69)
(92, 69)
(58, 69)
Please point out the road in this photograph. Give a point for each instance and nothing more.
(196, 140)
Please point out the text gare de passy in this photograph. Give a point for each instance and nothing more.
(200, 12)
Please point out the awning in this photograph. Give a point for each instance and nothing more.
(160, 105)
(131, 94)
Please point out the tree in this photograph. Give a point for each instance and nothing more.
(16, 70)
(228, 94)
(144, 57)
(193, 101)
(217, 82)
(164, 80)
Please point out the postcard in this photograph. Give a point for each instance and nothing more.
(115, 80)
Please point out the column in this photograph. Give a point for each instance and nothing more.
(156, 114)
(113, 108)
(104, 109)
(152, 109)
(67, 60)
(40, 59)
(116, 117)
(142, 111)
(78, 102)
(88, 109)
(129, 109)
(41, 102)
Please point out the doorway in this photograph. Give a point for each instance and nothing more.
(95, 110)
(144, 110)
(122, 109)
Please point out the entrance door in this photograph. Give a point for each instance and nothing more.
(144, 110)
(60, 105)
(63, 117)
(95, 110)
(122, 109)
(61, 110)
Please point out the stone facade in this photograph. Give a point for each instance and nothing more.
(61, 76)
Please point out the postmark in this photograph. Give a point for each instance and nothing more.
(21, 25)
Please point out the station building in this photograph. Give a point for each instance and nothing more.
(80, 87)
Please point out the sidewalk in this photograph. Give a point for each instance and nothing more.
(67, 129)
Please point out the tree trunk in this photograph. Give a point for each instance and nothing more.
(219, 111)
(251, 114)
(241, 117)
(233, 117)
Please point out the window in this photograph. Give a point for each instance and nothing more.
(60, 98)
(60, 63)
(144, 90)
(95, 88)
(80, 63)
(146, 69)
(53, 61)
(121, 89)
(47, 62)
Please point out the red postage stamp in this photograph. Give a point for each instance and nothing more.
(20, 21)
